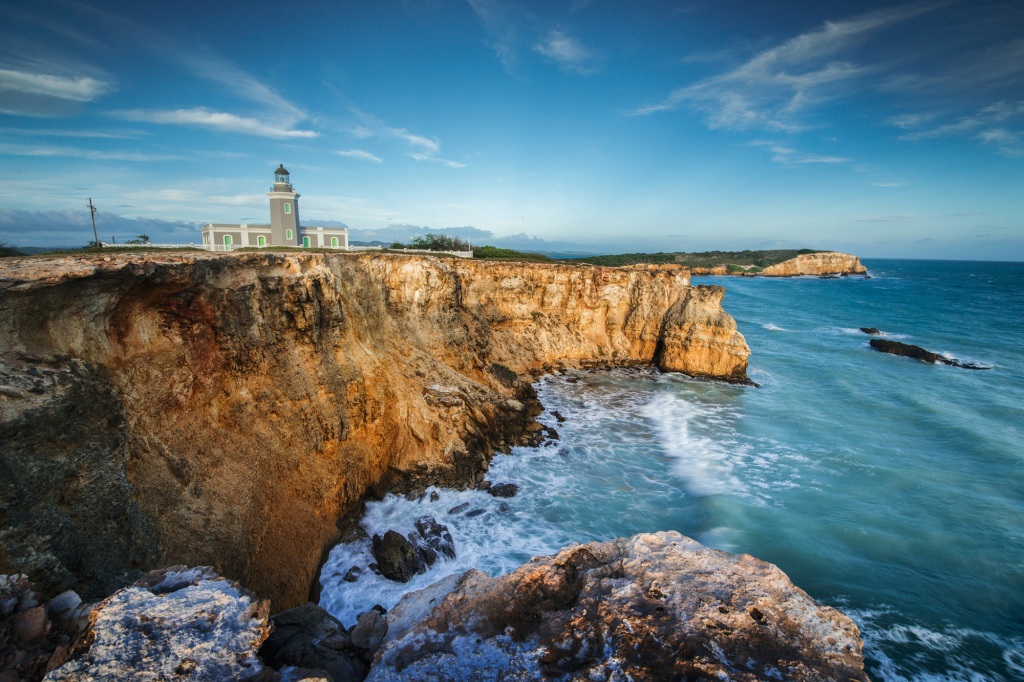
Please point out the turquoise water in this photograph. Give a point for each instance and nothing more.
(887, 487)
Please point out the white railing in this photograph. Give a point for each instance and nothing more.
(225, 248)
(460, 254)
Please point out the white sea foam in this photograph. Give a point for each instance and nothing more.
(772, 327)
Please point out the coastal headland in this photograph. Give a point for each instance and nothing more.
(232, 410)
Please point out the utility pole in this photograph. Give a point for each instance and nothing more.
(96, 237)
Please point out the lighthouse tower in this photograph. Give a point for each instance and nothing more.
(284, 210)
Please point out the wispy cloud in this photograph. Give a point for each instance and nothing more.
(789, 156)
(770, 90)
(359, 154)
(77, 152)
(51, 132)
(502, 25)
(214, 120)
(436, 159)
(990, 124)
(428, 148)
(889, 185)
(567, 52)
(75, 88)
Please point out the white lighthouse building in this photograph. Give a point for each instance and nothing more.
(284, 228)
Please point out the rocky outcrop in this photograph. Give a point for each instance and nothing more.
(911, 351)
(651, 607)
(230, 409)
(177, 623)
(824, 263)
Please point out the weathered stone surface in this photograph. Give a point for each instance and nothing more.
(369, 631)
(700, 339)
(435, 536)
(918, 353)
(176, 623)
(825, 263)
(307, 637)
(233, 407)
(651, 607)
(68, 517)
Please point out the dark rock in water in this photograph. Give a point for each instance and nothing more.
(397, 558)
(504, 490)
(309, 637)
(557, 415)
(434, 496)
(484, 485)
(353, 574)
(918, 353)
(436, 536)
(552, 433)
(475, 512)
(870, 330)
(503, 507)
(459, 508)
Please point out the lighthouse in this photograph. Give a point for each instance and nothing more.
(284, 210)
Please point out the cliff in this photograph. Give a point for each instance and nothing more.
(815, 264)
(230, 410)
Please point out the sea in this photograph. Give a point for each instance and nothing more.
(886, 487)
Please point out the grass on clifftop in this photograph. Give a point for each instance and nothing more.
(735, 260)
(495, 253)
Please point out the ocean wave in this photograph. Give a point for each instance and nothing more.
(772, 327)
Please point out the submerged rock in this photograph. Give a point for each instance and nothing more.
(400, 558)
(918, 353)
(654, 606)
(870, 330)
(176, 623)
(503, 490)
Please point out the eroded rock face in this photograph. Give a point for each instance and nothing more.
(177, 623)
(825, 263)
(651, 607)
(257, 397)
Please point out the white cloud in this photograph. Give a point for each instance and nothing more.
(215, 120)
(989, 124)
(567, 52)
(889, 185)
(359, 154)
(76, 152)
(77, 89)
(435, 159)
(770, 90)
(790, 156)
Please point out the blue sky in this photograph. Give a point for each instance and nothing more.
(878, 128)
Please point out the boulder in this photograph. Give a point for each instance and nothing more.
(654, 606)
(307, 637)
(870, 330)
(397, 558)
(504, 490)
(369, 631)
(176, 623)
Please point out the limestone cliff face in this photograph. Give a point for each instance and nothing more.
(254, 399)
(825, 263)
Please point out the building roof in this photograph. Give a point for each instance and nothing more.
(281, 170)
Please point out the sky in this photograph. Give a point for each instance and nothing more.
(884, 129)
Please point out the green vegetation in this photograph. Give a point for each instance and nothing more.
(504, 374)
(735, 261)
(495, 253)
(8, 250)
(439, 242)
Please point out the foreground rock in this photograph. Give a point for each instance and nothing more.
(173, 624)
(230, 409)
(651, 607)
(309, 638)
(36, 636)
(918, 353)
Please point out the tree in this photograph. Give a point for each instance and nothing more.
(141, 239)
(8, 250)
(439, 242)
